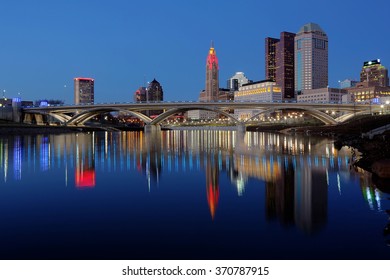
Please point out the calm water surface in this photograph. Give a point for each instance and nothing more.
(187, 195)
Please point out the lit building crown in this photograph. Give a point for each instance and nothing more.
(212, 59)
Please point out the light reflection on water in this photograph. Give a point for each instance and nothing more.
(300, 182)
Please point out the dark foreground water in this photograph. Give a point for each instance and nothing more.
(187, 195)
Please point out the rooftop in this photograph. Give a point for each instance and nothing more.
(311, 27)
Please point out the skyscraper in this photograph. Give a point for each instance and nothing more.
(212, 76)
(311, 58)
(374, 73)
(84, 91)
(279, 66)
(270, 58)
(154, 93)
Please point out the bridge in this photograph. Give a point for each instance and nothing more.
(73, 115)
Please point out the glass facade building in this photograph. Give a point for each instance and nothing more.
(279, 57)
(311, 58)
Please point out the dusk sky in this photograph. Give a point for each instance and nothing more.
(123, 44)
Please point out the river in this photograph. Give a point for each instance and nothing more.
(188, 194)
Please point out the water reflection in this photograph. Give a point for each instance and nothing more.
(297, 172)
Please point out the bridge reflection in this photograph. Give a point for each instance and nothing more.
(296, 171)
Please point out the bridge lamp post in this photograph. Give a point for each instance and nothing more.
(382, 111)
(387, 106)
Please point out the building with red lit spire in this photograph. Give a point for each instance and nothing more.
(212, 92)
(212, 76)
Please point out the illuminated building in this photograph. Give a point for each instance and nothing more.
(270, 58)
(279, 66)
(154, 92)
(237, 80)
(311, 58)
(374, 73)
(212, 76)
(140, 95)
(263, 91)
(212, 91)
(324, 95)
(365, 91)
(84, 91)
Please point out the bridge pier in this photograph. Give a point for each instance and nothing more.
(240, 127)
(151, 128)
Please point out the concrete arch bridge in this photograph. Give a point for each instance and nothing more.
(73, 115)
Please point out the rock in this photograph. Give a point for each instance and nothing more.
(381, 168)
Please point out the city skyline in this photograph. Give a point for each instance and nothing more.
(122, 47)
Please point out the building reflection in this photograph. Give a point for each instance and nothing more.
(374, 191)
(85, 176)
(212, 182)
(297, 171)
(280, 200)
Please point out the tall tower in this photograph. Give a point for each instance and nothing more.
(311, 58)
(212, 73)
(155, 91)
(270, 58)
(279, 62)
(285, 64)
(84, 92)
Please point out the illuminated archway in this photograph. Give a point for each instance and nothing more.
(174, 111)
(325, 118)
(88, 114)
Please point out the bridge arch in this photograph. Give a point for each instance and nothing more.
(174, 111)
(61, 117)
(325, 118)
(88, 114)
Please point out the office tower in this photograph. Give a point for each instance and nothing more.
(270, 58)
(212, 73)
(84, 91)
(279, 56)
(285, 64)
(374, 73)
(311, 58)
(236, 81)
(154, 92)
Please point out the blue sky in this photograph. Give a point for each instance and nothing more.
(123, 44)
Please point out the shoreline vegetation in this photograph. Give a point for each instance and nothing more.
(375, 152)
